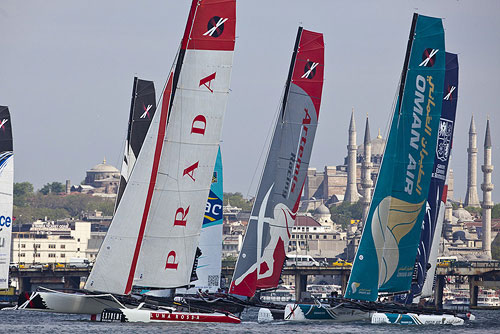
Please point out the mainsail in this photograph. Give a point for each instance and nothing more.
(437, 185)
(142, 110)
(386, 254)
(6, 192)
(154, 234)
(273, 214)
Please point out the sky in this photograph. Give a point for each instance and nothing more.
(67, 67)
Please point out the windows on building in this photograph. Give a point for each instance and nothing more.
(63, 246)
(23, 245)
(63, 255)
(52, 245)
(37, 246)
(52, 255)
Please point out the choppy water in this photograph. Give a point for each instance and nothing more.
(39, 322)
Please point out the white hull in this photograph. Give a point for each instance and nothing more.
(416, 319)
(61, 302)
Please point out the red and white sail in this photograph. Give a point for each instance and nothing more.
(153, 237)
(273, 214)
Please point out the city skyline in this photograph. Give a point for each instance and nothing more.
(68, 69)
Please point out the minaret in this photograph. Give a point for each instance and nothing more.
(487, 187)
(351, 192)
(471, 198)
(366, 171)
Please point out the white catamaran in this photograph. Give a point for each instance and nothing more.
(153, 238)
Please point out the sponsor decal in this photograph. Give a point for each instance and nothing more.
(449, 93)
(213, 210)
(215, 26)
(444, 139)
(309, 70)
(5, 221)
(418, 138)
(2, 125)
(429, 57)
(146, 111)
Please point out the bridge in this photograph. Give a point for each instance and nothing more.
(48, 276)
(479, 273)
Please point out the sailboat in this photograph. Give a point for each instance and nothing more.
(263, 252)
(6, 194)
(386, 254)
(153, 237)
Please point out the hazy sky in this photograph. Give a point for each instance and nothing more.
(66, 70)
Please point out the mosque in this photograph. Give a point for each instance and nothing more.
(102, 179)
(354, 181)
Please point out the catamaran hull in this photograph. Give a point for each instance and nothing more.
(141, 315)
(416, 319)
(61, 302)
(305, 312)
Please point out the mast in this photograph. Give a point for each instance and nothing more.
(407, 60)
(290, 71)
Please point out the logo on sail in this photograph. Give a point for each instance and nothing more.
(309, 70)
(4, 121)
(354, 286)
(146, 111)
(213, 210)
(444, 139)
(429, 57)
(449, 95)
(401, 217)
(215, 26)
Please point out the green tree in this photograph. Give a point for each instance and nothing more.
(21, 191)
(54, 187)
(236, 199)
(495, 212)
(345, 212)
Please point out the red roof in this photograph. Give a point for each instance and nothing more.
(306, 221)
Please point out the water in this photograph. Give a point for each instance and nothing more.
(39, 322)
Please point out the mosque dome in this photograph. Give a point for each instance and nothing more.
(103, 176)
(322, 210)
(462, 215)
(378, 146)
(104, 168)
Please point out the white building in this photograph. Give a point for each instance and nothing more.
(51, 242)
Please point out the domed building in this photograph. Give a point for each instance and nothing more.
(104, 178)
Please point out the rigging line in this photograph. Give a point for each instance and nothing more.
(267, 143)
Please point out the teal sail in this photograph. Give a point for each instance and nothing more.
(386, 254)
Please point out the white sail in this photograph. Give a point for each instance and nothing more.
(6, 191)
(153, 237)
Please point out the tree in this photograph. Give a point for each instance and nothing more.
(236, 199)
(21, 191)
(54, 187)
(495, 212)
(345, 212)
